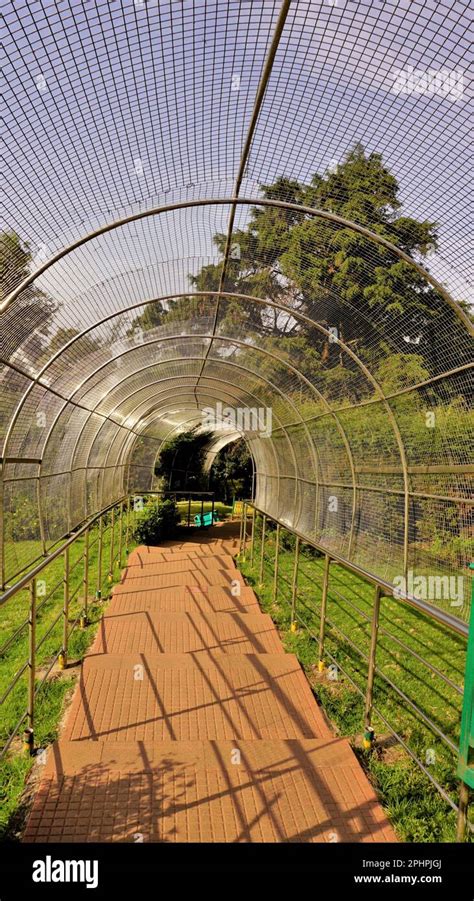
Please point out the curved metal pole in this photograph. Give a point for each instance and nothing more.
(121, 453)
(235, 397)
(297, 315)
(172, 378)
(286, 399)
(255, 349)
(191, 419)
(121, 425)
(235, 341)
(270, 442)
(245, 201)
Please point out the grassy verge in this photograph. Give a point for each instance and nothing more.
(57, 686)
(416, 809)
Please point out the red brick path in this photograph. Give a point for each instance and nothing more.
(190, 723)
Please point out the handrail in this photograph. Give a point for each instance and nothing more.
(33, 573)
(382, 589)
(80, 592)
(105, 570)
(457, 625)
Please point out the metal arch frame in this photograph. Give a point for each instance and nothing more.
(191, 337)
(233, 202)
(45, 446)
(268, 353)
(129, 437)
(130, 449)
(191, 419)
(184, 422)
(244, 201)
(274, 304)
(247, 298)
(278, 204)
(216, 379)
(244, 392)
(129, 434)
(258, 376)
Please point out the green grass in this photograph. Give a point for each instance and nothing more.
(51, 697)
(415, 807)
(223, 510)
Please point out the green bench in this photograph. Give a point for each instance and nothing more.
(207, 519)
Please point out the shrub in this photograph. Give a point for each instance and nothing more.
(158, 521)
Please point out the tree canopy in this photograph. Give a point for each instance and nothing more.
(373, 300)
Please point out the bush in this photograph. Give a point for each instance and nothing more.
(158, 521)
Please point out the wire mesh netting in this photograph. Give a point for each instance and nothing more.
(256, 205)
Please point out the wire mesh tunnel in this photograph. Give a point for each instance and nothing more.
(202, 209)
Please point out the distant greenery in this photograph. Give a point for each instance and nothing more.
(181, 459)
(231, 472)
(158, 522)
(180, 465)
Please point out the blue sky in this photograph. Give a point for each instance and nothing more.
(115, 106)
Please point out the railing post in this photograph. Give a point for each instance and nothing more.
(85, 581)
(63, 654)
(262, 551)
(120, 547)
(252, 543)
(369, 732)
(127, 526)
(324, 602)
(189, 510)
(463, 808)
(110, 575)
(99, 557)
(241, 529)
(465, 769)
(276, 562)
(244, 531)
(294, 589)
(29, 740)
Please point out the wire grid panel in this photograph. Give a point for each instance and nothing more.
(304, 300)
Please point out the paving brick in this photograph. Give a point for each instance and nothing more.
(189, 696)
(190, 723)
(172, 633)
(194, 791)
(183, 599)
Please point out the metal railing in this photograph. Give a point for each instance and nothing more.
(112, 523)
(341, 639)
(104, 536)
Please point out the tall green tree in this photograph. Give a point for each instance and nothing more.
(377, 303)
(33, 310)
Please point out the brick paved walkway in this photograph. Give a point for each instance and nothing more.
(190, 723)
